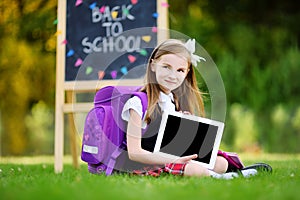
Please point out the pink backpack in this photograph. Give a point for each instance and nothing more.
(234, 162)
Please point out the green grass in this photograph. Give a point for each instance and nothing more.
(38, 181)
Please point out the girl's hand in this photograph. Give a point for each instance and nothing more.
(186, 159)
(187, 113)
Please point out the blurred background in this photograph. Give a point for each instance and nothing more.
(254, 43)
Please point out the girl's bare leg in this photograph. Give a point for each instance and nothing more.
(192, 169)
(221, 165)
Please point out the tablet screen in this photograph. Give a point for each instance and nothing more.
(182, 135)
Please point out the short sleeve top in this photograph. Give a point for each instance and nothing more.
(165, 102)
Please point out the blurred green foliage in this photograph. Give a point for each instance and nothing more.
(255, 45)
(40, 126)
(27, 68)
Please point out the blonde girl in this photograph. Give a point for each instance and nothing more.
(170, 85)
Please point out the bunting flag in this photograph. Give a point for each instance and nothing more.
(131, 58)
(102, 9)
(155, 15)
(58, 32)
(70, 53)
(64, 42)
(165, 4)
(154, 29)
(55, 21)
(114, 74)
(101, 74)
(114, 14)
(89, 70)
(78, 62)
(134, 1)
(93, 5)
(146, 38)
(78, 2)
(143, 52)
(124, 70)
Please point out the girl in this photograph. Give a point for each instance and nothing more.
(170, 85)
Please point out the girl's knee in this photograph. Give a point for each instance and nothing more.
(221, 165)
(192, 169)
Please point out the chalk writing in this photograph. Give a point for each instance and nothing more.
(99, 27)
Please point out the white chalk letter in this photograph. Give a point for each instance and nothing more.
(87, 44)
(96, 15)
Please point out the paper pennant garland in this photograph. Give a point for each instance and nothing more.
(124, 70)
(155, 15)
(154, 29)
(55, 21)
(70, 53)
(143, 52)
(134, 1)
(131, 58)
(64, 41)
(114, 74)
(101, 75)
(58, 32)
(114, 14)
(126, 11)
(165, 4)
(88, 70)
(102, 9)
(78, 62)
(93, 5)
(78, 2)
(146, 38)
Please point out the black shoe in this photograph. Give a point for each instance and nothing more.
(260, 167)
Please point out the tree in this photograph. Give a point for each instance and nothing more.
(27, 66)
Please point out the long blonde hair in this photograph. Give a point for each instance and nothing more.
(187, 96)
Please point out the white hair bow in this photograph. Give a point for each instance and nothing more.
(190, 45)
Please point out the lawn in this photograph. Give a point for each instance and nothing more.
(38, 181)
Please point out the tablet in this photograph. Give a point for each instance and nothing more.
(181, 135)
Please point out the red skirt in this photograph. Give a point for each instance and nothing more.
(170, 168)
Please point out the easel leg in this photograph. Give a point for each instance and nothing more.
(60, 94)
(72, 131)
(59, 140)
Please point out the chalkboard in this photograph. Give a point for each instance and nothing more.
(105, 39)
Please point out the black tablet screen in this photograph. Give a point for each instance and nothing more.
(184, 137)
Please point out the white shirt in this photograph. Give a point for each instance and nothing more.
(135, 103)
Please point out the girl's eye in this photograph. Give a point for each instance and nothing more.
(181, 70)
(165, 66)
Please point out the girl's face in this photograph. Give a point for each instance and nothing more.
(170, 71)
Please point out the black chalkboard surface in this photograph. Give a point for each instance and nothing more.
(105, 39)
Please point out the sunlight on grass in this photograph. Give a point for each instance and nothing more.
(27, 160)
(248, 157)
(37, 180)
(268, 157)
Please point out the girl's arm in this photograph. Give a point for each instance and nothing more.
(134, 148)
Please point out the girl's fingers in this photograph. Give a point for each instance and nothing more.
(186, 112)
(188, 158)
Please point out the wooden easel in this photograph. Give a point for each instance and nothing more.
(65, 99)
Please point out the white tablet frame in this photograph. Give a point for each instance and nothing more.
(217, 141)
